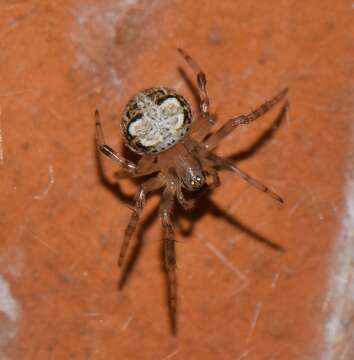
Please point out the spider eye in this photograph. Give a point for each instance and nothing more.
(196, 182)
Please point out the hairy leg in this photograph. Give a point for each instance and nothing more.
(228, 165)
(140, 197)
(233, 123)
(202, 126)
(167, 202)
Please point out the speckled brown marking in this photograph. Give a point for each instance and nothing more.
(145, 110)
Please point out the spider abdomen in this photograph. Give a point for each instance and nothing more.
(155, 120)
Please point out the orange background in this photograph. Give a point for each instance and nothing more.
(61, 222)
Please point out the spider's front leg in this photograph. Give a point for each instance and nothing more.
(202, 129)
(108, 151)
(233, 123)
(166, 206)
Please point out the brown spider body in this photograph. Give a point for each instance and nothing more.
(178, 154)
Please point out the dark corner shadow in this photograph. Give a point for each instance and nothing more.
(264, 138)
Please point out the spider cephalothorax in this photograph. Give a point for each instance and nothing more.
(177, 153)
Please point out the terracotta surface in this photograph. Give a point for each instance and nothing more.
(62, 222)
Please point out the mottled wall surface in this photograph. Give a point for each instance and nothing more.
(61, 221)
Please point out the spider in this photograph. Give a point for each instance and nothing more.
(177, 153)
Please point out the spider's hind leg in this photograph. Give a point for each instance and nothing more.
(166, 206)
(140, 197)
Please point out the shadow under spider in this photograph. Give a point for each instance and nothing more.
(208, 205)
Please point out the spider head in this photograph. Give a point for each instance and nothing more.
(194, 179)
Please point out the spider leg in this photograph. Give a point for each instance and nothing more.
(108, 151)
(145, 166)
(201, 130)
(169, 249)
(228, 165)
(140, 197)
(233, 123)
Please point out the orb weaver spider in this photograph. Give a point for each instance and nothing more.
(178, 154)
